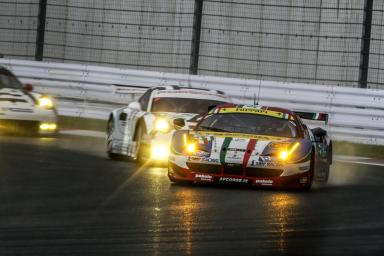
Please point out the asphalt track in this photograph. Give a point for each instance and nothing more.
(62, 196)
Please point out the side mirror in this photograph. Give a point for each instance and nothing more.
(319, 132)
(211, 107)
(178, 123)
(135, 105)
(28, 87)
(123, 116)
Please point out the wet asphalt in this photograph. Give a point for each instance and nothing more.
(62, 196)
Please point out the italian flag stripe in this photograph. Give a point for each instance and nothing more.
(224, 149)
(248, 151)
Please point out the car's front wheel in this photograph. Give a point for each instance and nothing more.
(140, 145)
(308, 185)
(109, 143)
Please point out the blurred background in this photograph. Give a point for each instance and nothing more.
(336, 42)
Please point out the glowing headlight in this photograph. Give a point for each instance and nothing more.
(48, 126)
(190, 147)
(285, 153)
(160, 152)
(45, 102)
(162, 125)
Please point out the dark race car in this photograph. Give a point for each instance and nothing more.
(260, 146)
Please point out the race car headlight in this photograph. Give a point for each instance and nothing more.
(189, 145)
(45, 102)
(284, 154)
(160, 152)
(191, 148)
(48, 126)
(162, 125)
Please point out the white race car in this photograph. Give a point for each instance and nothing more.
(23, 111)
(143, 130)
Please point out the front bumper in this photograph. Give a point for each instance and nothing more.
(27, 127)
(27, 120)
(285, 177)
(158, 148)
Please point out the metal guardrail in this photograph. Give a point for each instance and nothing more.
(355, 114)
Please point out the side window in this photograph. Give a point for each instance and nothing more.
(304, 128)
(307, 134)
(144, 100)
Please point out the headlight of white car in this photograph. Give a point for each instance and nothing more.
(162, 125)
(45, 102)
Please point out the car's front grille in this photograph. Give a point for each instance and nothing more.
(263, 172)
(205, 168)
(233, 169)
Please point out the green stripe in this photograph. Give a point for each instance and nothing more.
(224, 149)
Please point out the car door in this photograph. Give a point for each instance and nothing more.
(130, 117)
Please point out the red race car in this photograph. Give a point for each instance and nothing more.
(259, 146)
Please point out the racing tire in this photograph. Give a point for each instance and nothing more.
(308, 186)
(140, 148)
(329, 162)
(110, 129)
(327, 169)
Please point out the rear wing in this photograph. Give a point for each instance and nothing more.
(313, 116)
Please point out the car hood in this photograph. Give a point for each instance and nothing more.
(14, 98)
(172, 115)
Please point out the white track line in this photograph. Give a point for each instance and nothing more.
(84, 133)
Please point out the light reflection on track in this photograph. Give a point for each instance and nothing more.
(62, 196)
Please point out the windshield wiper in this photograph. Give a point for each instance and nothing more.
(205, 128)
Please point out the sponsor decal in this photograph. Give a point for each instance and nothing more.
(239, 135)
(203, 159)
(253, 111)
(194, 158)
(265, 163)
(237, 180)
(236, 149)
(203, 153)
(210, 160)
(203, 177)
(264, 182)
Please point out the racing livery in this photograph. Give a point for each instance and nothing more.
(23, 111)
(143, 130)
(260, 146)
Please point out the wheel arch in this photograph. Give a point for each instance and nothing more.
(330, 153)
(139, 123)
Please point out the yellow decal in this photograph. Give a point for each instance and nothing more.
(253, 111)
(239, 135)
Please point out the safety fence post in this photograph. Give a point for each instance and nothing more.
(39, 52)
(365, 44)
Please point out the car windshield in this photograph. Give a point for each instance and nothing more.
(182, 105)
(7, 80)
(249, 123)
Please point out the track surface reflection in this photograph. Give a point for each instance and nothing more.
(62, 196)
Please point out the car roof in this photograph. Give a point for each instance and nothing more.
(183, 88)
(189, 92)
(256, 107)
